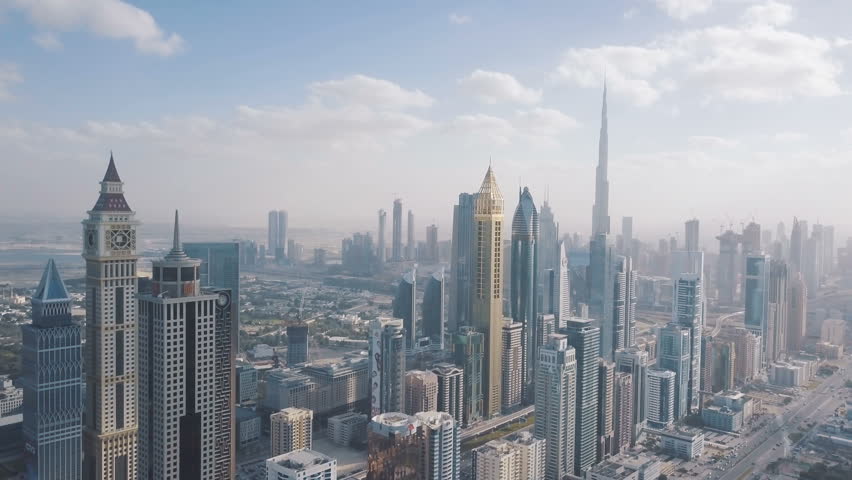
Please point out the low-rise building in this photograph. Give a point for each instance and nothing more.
(728, 411)
(648, 467)
(11, 397)
(301, 465)
(345, 428)
(246, 384)
(610, 470)
(785, 374)
(681, 442)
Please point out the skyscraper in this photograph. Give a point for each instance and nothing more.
(297, 344)
(691, 235)
(624, 304)
(561, 292)
(688, 312)
(381, 249)
(394, 447)
(110, 429)
(387, 366)
(726, 270)
(747, 360)
(432, 254)
(623, 414)
(488, 285)
(548, 255)
(433, 309)
(185, 421)
(797, 313)
(290, 429)
(555, 405)
(585, 338)
(411, 246)
(281, 249)
(606, 409)
(396, 236)
(469, 353)
(600, 286)
(519, 456)
(441, 446)
(51, 376)
(674, 355)
(600, 210)
(513, 364)
(461, 295)
(421, 391)
(626, 235)
(635, 362)
(798, 239)
(450, 390)
(775, 326)
(524, 286)
(757, 296)
(661, 397)
(405, 307)
(272, 233)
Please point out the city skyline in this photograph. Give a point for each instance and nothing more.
(535, 114)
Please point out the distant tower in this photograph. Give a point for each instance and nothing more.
(405, 307)
(775, 326)
(661, 398)
(688, 312)
(488, 285)
(627, 235)
(52, 404)
(674, 355)
(562, 290)
(432, 254)
(606, 409)
(513, 364)
(757, 297)
(272, 233)
(524, 287)
(281, 251)
(548, 256)
(797, 313)
(387, 366)
(381, 249)
(585, 338)
(726, 270)
(624, 303)
(798, 239)
(461, 305)
(600, 210)
(555, 405)
(433, 309)
(600, 286)
(396, 239)
(691, 235)
(411, 246)
(297, 345)
(110, 429)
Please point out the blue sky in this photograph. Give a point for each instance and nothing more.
(724, 109)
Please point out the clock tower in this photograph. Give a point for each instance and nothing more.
(109, 249)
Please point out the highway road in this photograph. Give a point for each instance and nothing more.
(720, 321)
(762, 448)
(494, 423)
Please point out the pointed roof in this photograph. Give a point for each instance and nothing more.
(111, 174)
(489, 200)
(525, 222)
(177, 252)
(51, 287)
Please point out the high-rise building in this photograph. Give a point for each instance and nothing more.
(775, 326)
(561, 291)
(797, 313)
(548, 256)
(488, 286)
(394, 447)
(606, 409)
(469, 353)
(624, 303)
(411, 246)
(461, 295)
(726, 269)
(358, 254)
(751, 239)
(626, 235)
(51, 376)
(585, 338)
(247, 377)
(600, 210)
(405, 307)
(688, 312)
(396, 235)
(186, 394)
(303, 464)
(272, 233)
(297, 344)
(757, 296)
(623, 412)
(828, 250)
(798, 240)
(290, 429)
(747, 360)
(661, 397)
(524, 285)
(432, 254)
(600, 287)
(513, 364)
(674, 355)
(635, 362)
(433, 309)
(519, 456)
(555, 405)
(722, 360)
(450, 390)
(814, 256)
(691, 237)
(387, 366)
(110, 429)
(441, 446)
(381, 249)
(421, 391)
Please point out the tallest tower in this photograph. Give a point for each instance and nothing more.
(600, 210)
(109, 249)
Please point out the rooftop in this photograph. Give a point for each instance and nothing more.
(299, 459)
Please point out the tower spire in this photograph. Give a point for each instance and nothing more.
(177, 250)
(600, 210)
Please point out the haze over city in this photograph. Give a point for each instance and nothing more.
(725, 110)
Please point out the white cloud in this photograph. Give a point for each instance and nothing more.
(9, 76)
(108, 18)
(769, 13)
(630, 13)
(539, 127)
(495, 87)
(789, 137)
(369, 91)
(709, 141)
(683, 9)
(458, 19)
(48, 41)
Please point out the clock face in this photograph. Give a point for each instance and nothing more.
(122, 239)
(90, 238)
(223, 300)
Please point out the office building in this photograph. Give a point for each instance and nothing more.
(410, 246)
(797, 313)
(450, 390)
(358, 255)
(51, 376)
(722, 359)
(560, 290)
(682, 442)
(606, 409)
(297, 344)
(405, 307)
(247, 380)
(601, 292)
(513, 365)
(387, 366)
(433, 309)
(469, 352)
(624, 304)
(272, 233)
(555, 405)
(461, 259)
(110, 430)
(600, 209)
(303, 464)
(635, 362)
(488, 287)
(726, 268)
(728, 411)
(441, 446)
(691, 237)
(421, 391)
(396, 234)
(247, 427)
(381, 249)
(186, 400)
(660, 401)
(548, 256)
(394, 447)
(585, 338)
(347, 428)
(609, 470)
(775, 326)
(290, 429)
(432, 255)
(748, 354)
(675, 356)
(519, 456)
(524, 282)
(688, 313)
(623, 410)
(757, 297)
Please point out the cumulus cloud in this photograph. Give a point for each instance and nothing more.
(9, 76)
(709, 141)
(48, 41)
(458, 19)
(769, 13)
(369, 91)
(107, 18)
(540, 127)
(496, 87)
(683, 9)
